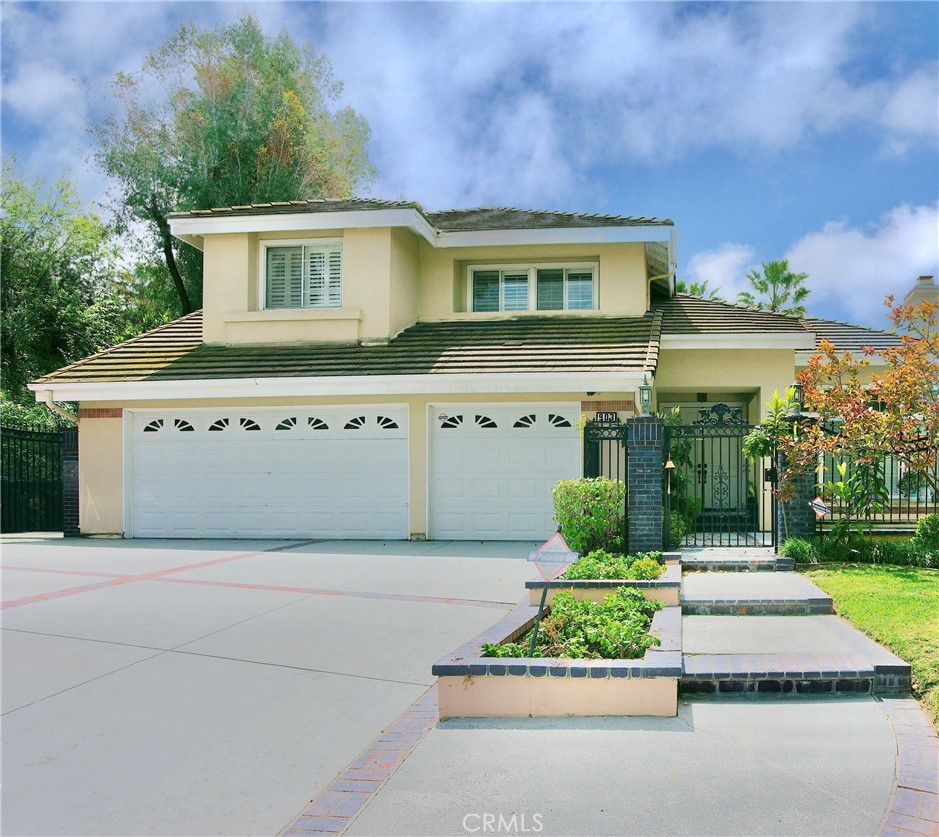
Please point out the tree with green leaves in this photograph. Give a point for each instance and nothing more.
(58, 299)
(225, 117)
(697, 288)
(776, 288)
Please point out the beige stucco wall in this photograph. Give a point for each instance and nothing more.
(100, 476)
(753, 373)
(390, 279)
(101, 451)
(404, 285)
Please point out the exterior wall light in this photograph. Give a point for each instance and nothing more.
(645, 395)
(798, 391)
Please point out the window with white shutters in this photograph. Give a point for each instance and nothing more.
(303, 276)
(533, 288)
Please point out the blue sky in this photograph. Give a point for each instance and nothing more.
(766, 130)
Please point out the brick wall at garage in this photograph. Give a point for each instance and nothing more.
(99, 413)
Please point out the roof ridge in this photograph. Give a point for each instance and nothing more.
(739, 306)
(805, 320)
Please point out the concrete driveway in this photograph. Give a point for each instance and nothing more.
(214, 687)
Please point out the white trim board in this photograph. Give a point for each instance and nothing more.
(769, 340)
(339, 385)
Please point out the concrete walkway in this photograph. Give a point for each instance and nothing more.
(843, 764)
(780, 767)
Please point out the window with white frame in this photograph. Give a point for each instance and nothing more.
(302, 275)
(546, 287)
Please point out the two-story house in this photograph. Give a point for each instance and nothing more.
(367, 369)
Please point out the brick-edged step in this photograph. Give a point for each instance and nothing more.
(792, 674)
(734, 564)
(777, 674)
(787, 651)
(752, 594)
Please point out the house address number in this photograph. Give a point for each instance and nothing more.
(607, 418)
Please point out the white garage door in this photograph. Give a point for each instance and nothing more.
(310, 472)
(493, 468)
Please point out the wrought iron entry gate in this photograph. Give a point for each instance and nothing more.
(714, 495)
(31, 486)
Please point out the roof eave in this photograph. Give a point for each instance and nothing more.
(191, 229)
(341, 385)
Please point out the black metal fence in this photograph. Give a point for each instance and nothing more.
(905, 495)
(606, 454)
(31, 471)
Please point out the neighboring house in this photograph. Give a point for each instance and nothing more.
(367, 369)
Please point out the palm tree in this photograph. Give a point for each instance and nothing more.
(777, 289)
(698, 288)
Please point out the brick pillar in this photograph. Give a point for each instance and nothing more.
(645, 441)
(799, 515)
(70, 483)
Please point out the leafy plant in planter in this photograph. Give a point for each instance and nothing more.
(615, 629)
(591, 513)
(601, 564)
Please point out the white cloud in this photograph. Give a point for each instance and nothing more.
(510, 103)
(854, 268)
(724, 268)
(452, 98)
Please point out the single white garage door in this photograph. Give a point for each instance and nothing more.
(311, 472)
(493, 468)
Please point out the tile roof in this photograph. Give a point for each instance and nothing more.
(686, 314)
(450, 220)
(507, 218)
(522, 345)
(288, 207)
(848, 337)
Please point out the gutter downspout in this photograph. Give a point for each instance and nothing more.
(59, 411)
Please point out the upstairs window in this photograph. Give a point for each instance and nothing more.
(303, 275)
(533, 288)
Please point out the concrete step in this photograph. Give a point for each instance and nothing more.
(786, 655)
(734, 564)
(777, 675)
(752, 594)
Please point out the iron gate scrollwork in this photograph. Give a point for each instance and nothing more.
(714, 495)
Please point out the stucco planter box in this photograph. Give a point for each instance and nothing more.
(666, 588)
(471, 685)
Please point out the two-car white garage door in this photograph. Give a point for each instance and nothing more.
(324, 472)
(342, 472)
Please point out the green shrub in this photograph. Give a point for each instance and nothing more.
(927, 531)
(601, 564)
(675, 529)
(800, 550)
(591, 513)
(645, 569)
(859, 550)
(615, 629)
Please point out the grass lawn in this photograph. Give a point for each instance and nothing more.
(898, 607)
